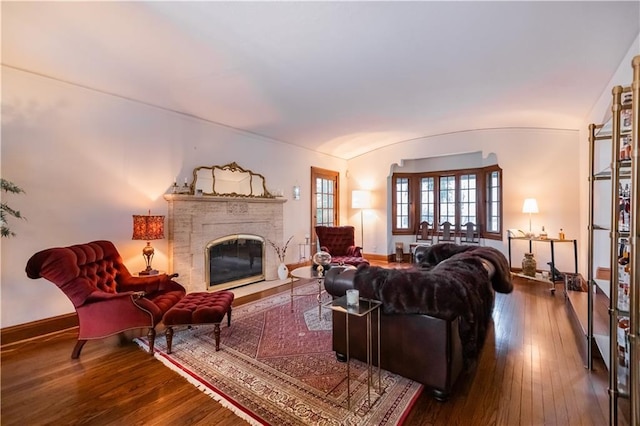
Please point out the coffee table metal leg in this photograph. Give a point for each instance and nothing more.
(348, 366)
(369, 359)
(320, 282)
(379, 361)
(291, 293)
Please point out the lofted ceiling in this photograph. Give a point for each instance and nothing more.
(341, 78)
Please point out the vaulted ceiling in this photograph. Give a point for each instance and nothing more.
(341, 78)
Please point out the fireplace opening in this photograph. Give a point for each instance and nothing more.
(234, 260)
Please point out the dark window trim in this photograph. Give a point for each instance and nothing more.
(482, 199)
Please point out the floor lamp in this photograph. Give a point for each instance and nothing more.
(530, 206)
(361, 200)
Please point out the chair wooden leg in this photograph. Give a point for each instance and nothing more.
(151, 335)
(169, 335)
(77, 349)
(216, 333)
(229, 317)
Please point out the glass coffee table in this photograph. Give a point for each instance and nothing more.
(307, 272)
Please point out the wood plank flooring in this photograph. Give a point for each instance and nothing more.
(529, 373)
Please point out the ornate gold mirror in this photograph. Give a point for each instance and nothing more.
(229, 180)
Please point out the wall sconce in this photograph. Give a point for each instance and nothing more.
(296, 192)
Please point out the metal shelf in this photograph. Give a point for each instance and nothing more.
(620, 131)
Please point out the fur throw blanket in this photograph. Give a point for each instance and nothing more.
(450, 281)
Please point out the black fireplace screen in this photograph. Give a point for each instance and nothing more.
(235, 260)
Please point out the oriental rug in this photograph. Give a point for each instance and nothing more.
(277, 367)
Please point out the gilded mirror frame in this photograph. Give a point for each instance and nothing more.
(229, 180)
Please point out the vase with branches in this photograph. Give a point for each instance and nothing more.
(5, 210)
(281, 252)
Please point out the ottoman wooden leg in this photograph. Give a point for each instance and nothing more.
(169, 334)
(151, 335)
(216, 333)
(229, 317)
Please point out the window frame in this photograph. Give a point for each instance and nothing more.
(483, 199)
(328, 175)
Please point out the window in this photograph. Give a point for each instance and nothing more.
(494, 201)
(402, 203)
(325, 212)
(427, 201)
(447, 199)
(457, 197)
(325, 194)
(468, 199)
(325, 208)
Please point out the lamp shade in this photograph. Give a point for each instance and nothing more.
(530, 206)
(148, 227)
(361, 199)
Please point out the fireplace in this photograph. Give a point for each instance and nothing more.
(195, 222)
(233, 261)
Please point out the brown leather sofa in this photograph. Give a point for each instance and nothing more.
(427, 348)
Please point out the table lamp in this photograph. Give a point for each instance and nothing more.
(148, 228)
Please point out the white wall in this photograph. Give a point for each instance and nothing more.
(536, 163)
(88, 161)
(599, 114)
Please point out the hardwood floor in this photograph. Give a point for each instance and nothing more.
(529, 373)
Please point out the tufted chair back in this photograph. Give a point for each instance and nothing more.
(106, 297)
(339, 241)
(336, 239)
(80, 270)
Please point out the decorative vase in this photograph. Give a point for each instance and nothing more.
(283, 272)
(529, 265)
(321, 262)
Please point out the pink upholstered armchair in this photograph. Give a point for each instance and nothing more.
(107, 298)
(339, 242)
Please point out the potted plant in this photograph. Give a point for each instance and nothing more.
(5, 210)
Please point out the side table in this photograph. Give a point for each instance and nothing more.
(552, 265)
(364, 308)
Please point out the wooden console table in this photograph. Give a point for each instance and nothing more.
(551, 242)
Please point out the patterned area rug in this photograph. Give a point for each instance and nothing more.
(277, 367)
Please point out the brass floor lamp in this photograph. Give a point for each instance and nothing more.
(361, 199)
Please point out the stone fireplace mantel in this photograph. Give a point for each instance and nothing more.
(194, 221)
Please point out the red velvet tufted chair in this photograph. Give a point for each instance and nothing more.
(107, 298)
(339, 242)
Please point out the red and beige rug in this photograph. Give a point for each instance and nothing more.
(277, 367)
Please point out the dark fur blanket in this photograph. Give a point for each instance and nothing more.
(451, 281)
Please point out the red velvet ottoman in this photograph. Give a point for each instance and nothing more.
(199, 308)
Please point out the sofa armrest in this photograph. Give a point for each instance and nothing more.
(354, 251)
(338, 280)
(490, 267)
